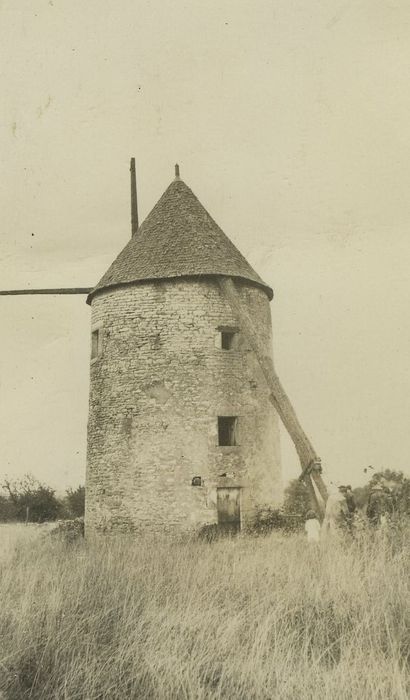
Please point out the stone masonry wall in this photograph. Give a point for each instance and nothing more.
(156, 390)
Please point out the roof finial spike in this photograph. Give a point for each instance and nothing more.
(134, 201)
(176, 171)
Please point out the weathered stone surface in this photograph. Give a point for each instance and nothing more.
(156, 391)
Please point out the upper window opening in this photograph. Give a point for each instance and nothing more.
(96, 343)
(227, 430)
(227, 338)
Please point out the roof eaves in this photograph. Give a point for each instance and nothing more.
(116, 285)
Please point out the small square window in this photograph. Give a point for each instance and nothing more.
(227, 430)
(96, 343)
(227, 340)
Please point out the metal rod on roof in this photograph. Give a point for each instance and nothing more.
(134, 200)
(176, 171)
(65, 290)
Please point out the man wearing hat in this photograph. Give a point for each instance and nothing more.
(377, 507)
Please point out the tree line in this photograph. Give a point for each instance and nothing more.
(29, 500)
(297, 500)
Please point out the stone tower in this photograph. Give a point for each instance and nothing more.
(181, 432)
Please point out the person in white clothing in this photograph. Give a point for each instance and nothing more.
(312, 526)
(335, 513)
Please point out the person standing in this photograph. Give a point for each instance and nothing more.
(335, 513)
(350, 500)
(377, 505)
(312, 526)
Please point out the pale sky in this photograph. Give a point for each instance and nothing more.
(291, 123)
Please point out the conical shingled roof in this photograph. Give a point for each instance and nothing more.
(178, 239)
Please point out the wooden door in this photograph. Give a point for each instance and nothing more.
(229, 508)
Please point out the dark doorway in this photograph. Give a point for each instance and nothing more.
(228, 501)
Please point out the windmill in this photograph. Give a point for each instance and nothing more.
(311, 470)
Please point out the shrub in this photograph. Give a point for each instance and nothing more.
(69, 530)
(268, 519)
(75, 500)
(8, 510)
(297, 498)
(29, 499)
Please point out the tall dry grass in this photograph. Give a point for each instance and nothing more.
(248, 618)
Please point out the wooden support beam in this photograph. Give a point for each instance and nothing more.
(309, 460)
(65, 290)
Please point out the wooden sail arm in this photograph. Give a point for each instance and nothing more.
(309, 460)
(60, 290)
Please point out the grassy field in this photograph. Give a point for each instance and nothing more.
(247, 618)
